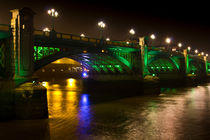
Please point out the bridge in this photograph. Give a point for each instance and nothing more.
(24, 50)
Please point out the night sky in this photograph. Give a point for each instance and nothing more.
(185, 22)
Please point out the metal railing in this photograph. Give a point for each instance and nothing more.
(73, 37)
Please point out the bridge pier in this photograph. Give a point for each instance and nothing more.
(26, 101)
(22, 31)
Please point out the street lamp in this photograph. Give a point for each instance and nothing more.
(188, 48)
(82, 35)
(168, 40)
(53, 14)
(102, 25)
(179, 45)
(131, 31)
(46, 30)
(152, 36)
(196, 51)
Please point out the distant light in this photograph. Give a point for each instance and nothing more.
(84, 99)
(127, 42)
(207, 54)
(168, 40)
(107, 39)
(152, 36)
(49, 12)
(84, 75)
(56, 13)
(153, 74)
(132, 32)
(173, 49)
(196, 51)
(84, 51)
(102, 51)
(202, 53)
(44, 84)
(52, 13)
(101, 24)
(179, 45)
(46, 30)
(82, 35)
(189, 48)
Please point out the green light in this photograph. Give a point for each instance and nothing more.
(153, 74)
(41, 52)
(109, 66)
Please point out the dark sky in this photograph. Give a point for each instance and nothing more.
(187, 22)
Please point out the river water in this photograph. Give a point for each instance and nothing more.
(175, 114)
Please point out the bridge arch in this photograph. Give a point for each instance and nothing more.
(196, 66)
(162, 63)
(94, 62)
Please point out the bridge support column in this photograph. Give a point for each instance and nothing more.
(206, 65)
(22, 25)
(186, 57)
(144, 56)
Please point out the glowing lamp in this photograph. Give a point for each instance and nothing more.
(84, 75)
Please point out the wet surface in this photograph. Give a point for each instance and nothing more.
(177, 113)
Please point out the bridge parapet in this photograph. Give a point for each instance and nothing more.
(78, 38)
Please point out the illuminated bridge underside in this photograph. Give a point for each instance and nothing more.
(101, 63)
(94, 62)
(162, 65)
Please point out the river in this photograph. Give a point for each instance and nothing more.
(175, 114)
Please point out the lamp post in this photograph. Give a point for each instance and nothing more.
(53, 14)
(46, 30)
(132, 33)
(152, 36)
(188, 48)
(168, 41)
(102, 25)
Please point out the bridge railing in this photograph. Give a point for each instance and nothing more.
(73, 37)
(67, 36)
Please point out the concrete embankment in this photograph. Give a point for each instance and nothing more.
(28, 101)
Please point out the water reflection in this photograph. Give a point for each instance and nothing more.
(69, 109)
(181, 113)
(84, 115)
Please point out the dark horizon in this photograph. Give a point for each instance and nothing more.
(184, 22)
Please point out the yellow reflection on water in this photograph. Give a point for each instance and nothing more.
(69, 110)
(71, 84)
